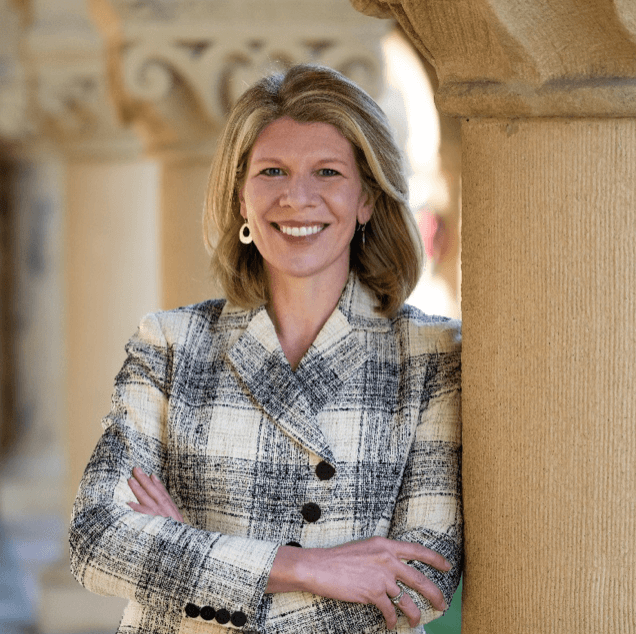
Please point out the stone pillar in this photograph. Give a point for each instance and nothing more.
(550, 445)
(111, 280)
(547, 97)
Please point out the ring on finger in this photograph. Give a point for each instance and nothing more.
(397, 599)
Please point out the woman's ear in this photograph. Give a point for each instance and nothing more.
(366, 209)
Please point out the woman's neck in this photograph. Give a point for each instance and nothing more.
(299, 308)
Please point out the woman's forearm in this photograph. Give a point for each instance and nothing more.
(290, 572)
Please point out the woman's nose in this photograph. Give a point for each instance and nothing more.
(300, 192)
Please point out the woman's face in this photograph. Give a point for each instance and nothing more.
(302, 197)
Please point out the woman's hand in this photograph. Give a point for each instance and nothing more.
(152, 496)
(361, 572)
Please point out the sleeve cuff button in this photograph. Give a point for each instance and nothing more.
(239, 619)
(192, 610)
(207, 613)
(222, 616)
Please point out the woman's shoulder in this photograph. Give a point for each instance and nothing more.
(189, 323)
(434, 332)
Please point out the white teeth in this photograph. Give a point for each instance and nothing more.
(301, 231)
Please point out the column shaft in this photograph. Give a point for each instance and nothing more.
(111, 282)
(185, 269)
(549, 308)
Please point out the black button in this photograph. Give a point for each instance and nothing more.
(192, 610)
(325, 471)
(296, 544)
(311, 512)
(239, 619)
(207, 613)
(222, 616)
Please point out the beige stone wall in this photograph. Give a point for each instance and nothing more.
(549, 405)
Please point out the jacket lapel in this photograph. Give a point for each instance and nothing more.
(294, 399)
(266, 374)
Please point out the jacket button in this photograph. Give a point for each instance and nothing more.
(295, 544)
(239, 619)
(222, 616)
(311, 512)
(325, 471)
(192, 610)
(207, 613)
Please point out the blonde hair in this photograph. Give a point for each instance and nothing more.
(390, 262)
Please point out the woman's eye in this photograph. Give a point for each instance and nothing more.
(272, 171)
(327, 171)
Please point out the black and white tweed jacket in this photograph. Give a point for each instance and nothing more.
(362, 439)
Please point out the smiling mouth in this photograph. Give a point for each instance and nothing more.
(307, 230)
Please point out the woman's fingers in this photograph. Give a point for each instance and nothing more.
(407, 606)
(166, 502)
(140, 489)
(415, 579)
(152, 496)
(385, 605)
(422, 584)
(411, 550)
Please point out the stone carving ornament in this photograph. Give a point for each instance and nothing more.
(178, 66)
(523, 58)
(216, 72)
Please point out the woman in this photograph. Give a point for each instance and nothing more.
(306, 429)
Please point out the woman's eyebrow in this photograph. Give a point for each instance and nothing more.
(333, 160)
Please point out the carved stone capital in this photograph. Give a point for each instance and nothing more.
(67, 90)
(178, 67)
(524, 57)
(76, 113)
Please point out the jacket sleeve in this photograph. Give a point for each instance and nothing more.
(428, 509)
(155, 561)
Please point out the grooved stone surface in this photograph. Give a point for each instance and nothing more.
(549, 366)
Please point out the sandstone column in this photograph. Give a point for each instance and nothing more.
(546, 93)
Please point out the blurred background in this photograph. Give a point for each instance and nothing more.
(109, 112)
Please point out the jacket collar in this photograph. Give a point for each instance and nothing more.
(294, 399)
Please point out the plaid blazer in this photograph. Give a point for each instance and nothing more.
(362, 439)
